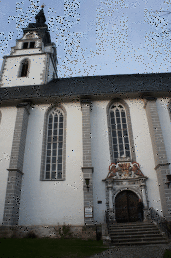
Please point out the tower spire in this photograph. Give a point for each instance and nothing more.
(40, 17)
(40, 26)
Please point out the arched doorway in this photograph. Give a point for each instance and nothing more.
(126, 206)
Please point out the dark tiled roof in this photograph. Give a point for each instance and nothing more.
(92, 86)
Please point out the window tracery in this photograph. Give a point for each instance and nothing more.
(119, 132)
(54, 145)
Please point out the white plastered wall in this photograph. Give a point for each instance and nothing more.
(53, 202)
(10, 76)
(144, 151)
(29, 51)
(101, 155)
(165, 122)
(50, 70)
(7, 125)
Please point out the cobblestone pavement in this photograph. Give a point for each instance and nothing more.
(145, 251)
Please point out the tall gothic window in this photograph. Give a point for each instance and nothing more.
(119, 132)
(54, 145)
(24, 68)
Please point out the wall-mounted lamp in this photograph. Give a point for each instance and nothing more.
(87, 180)
(168, 180)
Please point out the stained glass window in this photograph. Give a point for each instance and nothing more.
(54, 145)
(119, 132)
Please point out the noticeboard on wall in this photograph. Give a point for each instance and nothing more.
(88, 212)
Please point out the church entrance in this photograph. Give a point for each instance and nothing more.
(126, 206)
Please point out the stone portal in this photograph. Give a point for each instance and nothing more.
(125, 184)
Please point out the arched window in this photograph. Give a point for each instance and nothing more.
(54, 145)
(24, 68)
(119, 132)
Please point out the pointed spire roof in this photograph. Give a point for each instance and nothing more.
(40, 17)
(40, 26)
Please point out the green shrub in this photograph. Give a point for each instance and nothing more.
(31, 234)
(65, 231)
(167, 254)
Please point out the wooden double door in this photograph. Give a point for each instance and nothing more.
(126, 204)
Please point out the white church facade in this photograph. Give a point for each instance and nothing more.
(76, 150)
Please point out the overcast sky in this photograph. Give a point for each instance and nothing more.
(96, 37)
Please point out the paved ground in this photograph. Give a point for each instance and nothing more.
(145, 251)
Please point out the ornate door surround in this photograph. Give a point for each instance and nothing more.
(124, 175)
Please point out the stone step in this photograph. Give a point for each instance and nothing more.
(137, 236)
(133, 226)
(135, 233)
(152, 242)
(135, 239)
(132, 230)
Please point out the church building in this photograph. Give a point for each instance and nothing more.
(83, 150)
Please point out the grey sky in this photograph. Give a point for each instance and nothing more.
(96, 37)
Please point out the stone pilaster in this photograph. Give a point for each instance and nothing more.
(160, 157)
(13, 191)
(87, 162)
(111, 207)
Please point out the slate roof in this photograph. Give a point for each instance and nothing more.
(92, 86)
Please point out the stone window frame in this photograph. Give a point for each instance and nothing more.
(28, 44)
(20, 43)
(129, 128)
(43, 156)
(20, 68)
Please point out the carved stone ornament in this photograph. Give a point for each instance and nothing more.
(30, 35)
(124, 170)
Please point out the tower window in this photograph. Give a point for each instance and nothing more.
(28, 44)
(25, 45)
(24, 68)
(32, 44)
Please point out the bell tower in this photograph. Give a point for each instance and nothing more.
(33, 60)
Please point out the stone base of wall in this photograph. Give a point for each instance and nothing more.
(65, 231)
